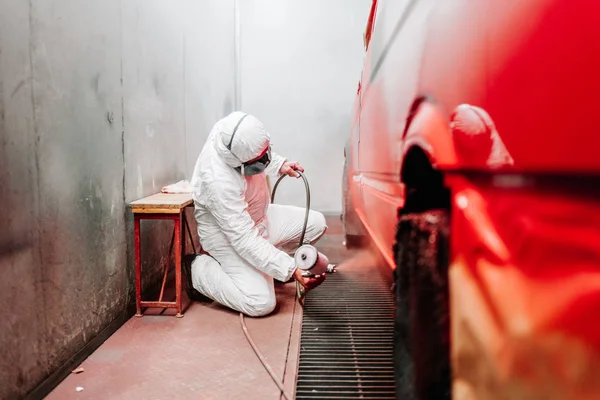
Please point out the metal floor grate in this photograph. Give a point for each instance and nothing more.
(347, 339)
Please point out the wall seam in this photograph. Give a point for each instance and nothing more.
(38, 211)
(185, 133)
(128, 286)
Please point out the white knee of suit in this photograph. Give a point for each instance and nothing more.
(259, 310)
(317, 224)
(209, 278)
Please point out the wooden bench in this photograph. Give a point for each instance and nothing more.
(162, 206)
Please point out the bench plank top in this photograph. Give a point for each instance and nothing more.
(162, 203)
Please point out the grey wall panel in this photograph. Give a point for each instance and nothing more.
(209, 70)
(22, 332)
(154, 113)
(77, 100)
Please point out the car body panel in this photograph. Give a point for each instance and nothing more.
(495, 55)
(524, 255)
(524, 289)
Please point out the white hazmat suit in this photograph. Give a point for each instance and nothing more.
(237, 225)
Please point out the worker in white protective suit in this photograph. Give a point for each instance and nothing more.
(238, 227)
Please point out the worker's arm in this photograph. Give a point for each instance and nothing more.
(229, 209)
(280, 166)
(275, 164)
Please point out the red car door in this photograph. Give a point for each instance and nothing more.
(386, 99)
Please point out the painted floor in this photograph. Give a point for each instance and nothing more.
(203, 355)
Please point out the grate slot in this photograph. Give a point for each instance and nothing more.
(347, 339)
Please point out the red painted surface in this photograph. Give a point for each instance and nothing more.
(525, 289)
(501, 87)
(138, 264)
(178, 250)
(531, 66)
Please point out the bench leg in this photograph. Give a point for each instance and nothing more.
(178, 246)
(138, 266)
(167, 265)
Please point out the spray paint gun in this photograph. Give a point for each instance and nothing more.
(312, 263)
(307, 257)
(310, 260)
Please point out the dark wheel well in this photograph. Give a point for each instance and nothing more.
(422, 347)
(425, 188)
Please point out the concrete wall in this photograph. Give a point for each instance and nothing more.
(301, 63)
(101, 102)
(22, 318)
(62, 263)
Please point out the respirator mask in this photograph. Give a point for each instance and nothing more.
(251, 167)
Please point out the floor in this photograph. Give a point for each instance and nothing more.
(202, 355)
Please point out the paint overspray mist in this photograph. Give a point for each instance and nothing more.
(366, 255)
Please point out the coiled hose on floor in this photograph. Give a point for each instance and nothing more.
(261, 357)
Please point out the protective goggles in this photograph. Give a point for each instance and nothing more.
(251, 167)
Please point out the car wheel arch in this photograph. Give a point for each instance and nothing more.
(428, 128)
(419, 167)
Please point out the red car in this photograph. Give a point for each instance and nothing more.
(474, 166)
